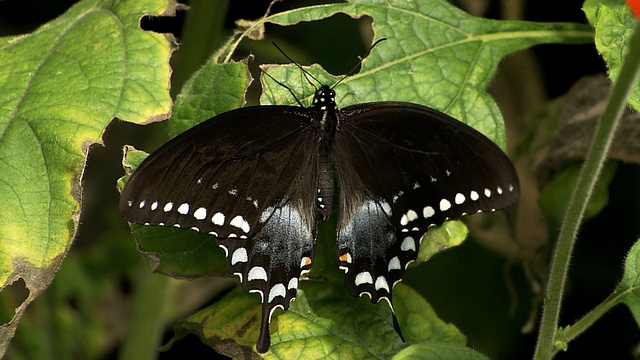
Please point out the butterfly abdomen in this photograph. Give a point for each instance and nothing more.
(326, 186)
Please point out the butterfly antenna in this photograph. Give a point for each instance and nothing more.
(283, 85)
(307, 75)
(268, 12)
(360, 60)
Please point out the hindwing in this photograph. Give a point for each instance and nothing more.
(403, 168)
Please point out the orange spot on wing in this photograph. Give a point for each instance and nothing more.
(306, 261)
(346, 257)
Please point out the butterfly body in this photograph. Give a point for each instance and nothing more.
(260, 178)
(324, 108)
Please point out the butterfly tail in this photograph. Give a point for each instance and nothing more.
(264, 340)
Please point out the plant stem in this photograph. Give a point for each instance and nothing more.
(617, 103)
(202, 33)
(586, 321)
(147, 323)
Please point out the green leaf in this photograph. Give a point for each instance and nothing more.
(212, 90)
(324, 321)
(440, 238)
(178, 253)
(628, 291)
(435, 55)
(613, 23)
(438, 350)
(556, 195)
(61, 86)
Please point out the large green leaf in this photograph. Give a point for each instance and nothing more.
(61, 86)
(324, 322)
(613, 23)
(438, 350)
(435, 55)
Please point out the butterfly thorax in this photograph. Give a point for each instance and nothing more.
(326, 122)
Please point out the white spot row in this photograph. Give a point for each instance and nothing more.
(201, 214)
(408, 217)
(365, 278)
(408, 244)
(293, 284)
(381, 283)
(277, 290)
(445, 205)
(259, 273)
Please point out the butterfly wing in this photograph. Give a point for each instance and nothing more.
(249, 185)
(403, 168)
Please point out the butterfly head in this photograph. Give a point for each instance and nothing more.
(324, 98)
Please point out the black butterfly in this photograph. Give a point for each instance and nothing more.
(259, 178)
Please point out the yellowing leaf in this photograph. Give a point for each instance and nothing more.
(61, 86)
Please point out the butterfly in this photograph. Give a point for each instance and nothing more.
(260, 178)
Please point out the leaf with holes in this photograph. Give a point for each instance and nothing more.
(61, 86)
(435, 55)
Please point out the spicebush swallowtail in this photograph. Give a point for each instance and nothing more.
(260, 178)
